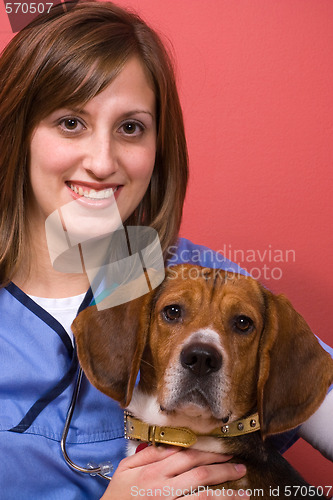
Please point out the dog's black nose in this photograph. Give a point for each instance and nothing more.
(201, 359)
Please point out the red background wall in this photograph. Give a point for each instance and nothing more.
(255, 79)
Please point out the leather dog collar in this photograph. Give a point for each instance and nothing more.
(182, 436)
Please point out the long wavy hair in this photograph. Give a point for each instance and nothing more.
(45, 67)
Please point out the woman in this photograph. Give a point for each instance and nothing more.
(89, 112)
(88, 101)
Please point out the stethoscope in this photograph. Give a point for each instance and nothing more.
(102, 470)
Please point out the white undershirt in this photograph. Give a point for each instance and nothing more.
(63, 310)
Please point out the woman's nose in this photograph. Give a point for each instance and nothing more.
(101, 160)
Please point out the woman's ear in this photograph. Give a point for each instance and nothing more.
(110, 343)
(295, 371)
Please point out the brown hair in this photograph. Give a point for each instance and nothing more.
(45, 67)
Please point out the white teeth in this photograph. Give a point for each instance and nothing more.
(92, 193)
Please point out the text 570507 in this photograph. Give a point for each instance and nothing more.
(307, 491)
(27, 8)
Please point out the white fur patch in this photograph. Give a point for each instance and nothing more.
(207, 335)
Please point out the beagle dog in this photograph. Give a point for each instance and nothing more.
(224, 364)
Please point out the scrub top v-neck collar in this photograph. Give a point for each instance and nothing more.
(37, 407)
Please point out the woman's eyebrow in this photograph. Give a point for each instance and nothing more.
(69, 109)
(138, 111)
(125, 115)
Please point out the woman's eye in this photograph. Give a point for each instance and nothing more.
(71, 125)
(131, 128)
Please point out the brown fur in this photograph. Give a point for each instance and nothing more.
(278, 369)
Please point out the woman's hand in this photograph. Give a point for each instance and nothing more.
(176, 472)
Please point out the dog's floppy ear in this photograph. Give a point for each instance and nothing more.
(295, 371)
(110, 343)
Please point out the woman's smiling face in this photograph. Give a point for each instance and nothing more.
(106, 147)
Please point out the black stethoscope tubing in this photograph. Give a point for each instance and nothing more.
(93, 471)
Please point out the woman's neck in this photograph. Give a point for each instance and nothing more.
(51, 284)
(36, 275)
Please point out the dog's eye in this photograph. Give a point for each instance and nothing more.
(243, 324)
(172, 312)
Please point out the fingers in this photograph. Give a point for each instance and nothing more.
(213, 474)
(184, 473)
(187, 459)
(208, 473)
(148, 455)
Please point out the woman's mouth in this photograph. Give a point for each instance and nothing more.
(93, 194)
(98, 193)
